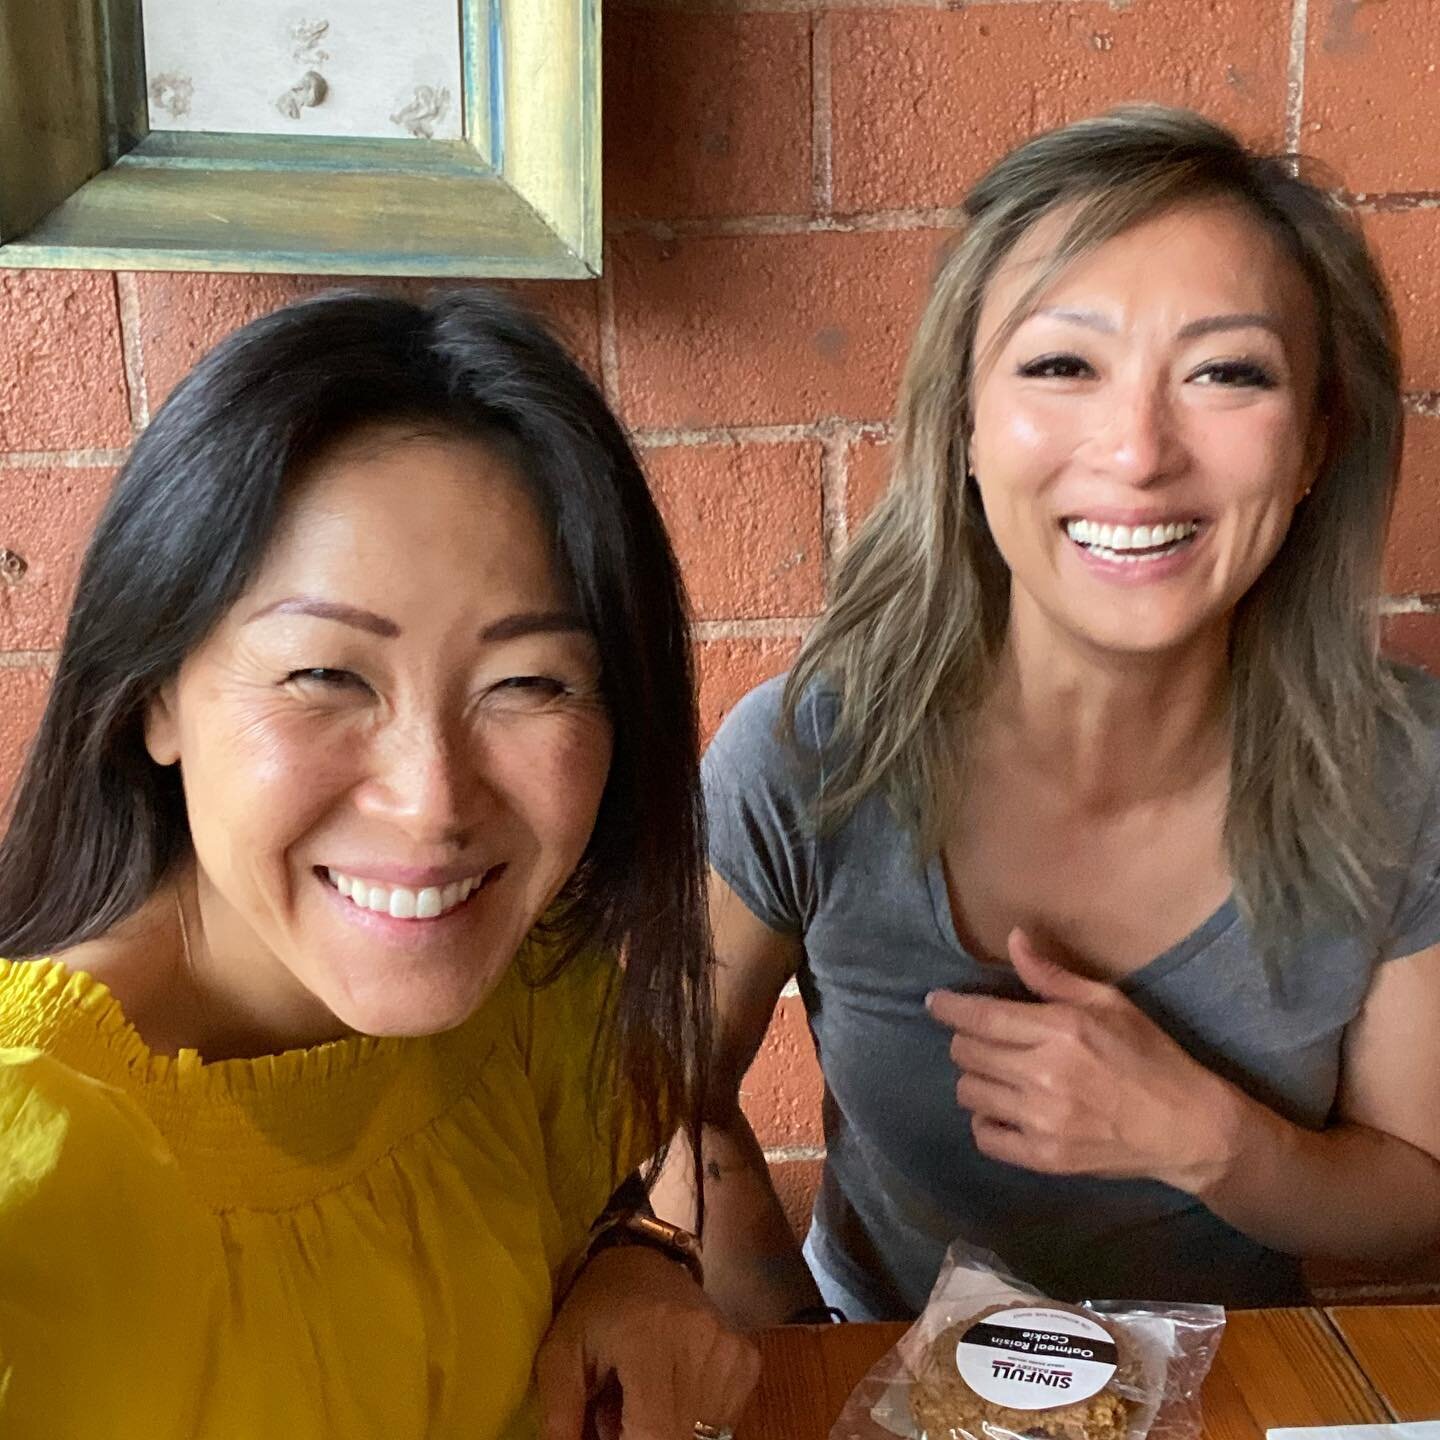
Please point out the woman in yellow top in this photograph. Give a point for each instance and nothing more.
(371, 747)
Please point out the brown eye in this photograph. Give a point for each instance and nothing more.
(1241, 374)
(1056, 367)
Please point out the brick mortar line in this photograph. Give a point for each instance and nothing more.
(788, 627)
(786, 1154)
(609, 334)
(834, 510)
(822, 154)
(61, 459)
(822, 430)
(943, 217)
(127, 293)
(1419, 603)
(28, 659)
(740, 226)
(1295, 74)
(1388, 202)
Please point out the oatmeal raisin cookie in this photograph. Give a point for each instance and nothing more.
(946, 1408)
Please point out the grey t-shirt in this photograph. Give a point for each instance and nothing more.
(902, 1176)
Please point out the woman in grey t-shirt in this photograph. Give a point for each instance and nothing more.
(1100, 841)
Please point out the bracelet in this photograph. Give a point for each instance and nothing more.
(817, 1315)
(635, 1229)
(629, 1219)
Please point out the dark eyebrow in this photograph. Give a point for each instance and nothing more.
(508, 627)
(534, 622)
(331, 610)
(1212, 324)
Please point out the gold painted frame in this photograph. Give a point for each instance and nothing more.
(84, 182)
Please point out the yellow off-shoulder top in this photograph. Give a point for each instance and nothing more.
(357, 1240)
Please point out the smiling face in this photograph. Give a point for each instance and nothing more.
(393, 746)
(1141, 440)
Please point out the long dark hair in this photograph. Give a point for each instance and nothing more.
(921, 599)
(96, 825)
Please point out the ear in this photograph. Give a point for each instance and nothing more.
(162, 726)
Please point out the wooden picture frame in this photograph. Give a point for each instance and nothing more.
(85, 182)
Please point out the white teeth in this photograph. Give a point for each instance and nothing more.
(402, 903)
(1120, 539)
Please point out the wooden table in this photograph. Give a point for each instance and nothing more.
(1366, 1364)
(1398, 1347)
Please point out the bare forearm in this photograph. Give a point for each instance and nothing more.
(753, 1267)
(1346, 1193)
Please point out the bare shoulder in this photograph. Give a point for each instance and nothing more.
(137, 961)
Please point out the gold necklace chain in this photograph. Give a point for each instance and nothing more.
(184, 936)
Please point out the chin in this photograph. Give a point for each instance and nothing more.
(1141, 636)
(1141, 647)
(413, 1008)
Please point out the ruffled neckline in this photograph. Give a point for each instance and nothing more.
(280, 1127)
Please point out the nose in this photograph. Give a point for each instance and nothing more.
(426, 778)
(1139, 442)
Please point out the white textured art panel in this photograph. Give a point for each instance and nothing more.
(387, 68)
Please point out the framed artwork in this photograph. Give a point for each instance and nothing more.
(363, 137)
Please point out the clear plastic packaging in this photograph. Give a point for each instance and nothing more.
(992, 1359)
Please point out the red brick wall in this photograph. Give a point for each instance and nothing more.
(779, 175)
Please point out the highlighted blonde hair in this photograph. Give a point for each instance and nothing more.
(922, 594)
